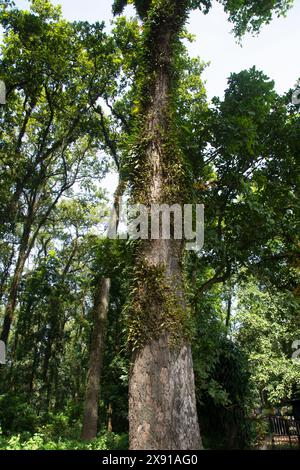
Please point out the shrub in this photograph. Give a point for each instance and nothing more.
(39, 441)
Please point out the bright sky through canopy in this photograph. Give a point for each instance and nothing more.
(275, 50)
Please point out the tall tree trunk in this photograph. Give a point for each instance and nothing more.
(162, 404)
(101, 303)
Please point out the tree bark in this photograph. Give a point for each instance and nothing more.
(162, 404)
(162, 399)
(101, 304)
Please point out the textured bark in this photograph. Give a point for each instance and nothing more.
(90, 418)
(162, 404)
(162, 399)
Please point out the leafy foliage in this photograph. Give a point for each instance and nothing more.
(247, 16)
(40, 441)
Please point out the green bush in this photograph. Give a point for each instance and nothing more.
(16, 415)
(259, 431)
(39, 441)
(61, 425)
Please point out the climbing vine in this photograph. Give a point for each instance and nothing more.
(153, 59)
(150, 288)
(155, 305)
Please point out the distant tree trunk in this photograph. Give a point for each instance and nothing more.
(26, 245)
(228, 313)
(33, 368)
(5, 274)
(109, 421)
(162, 404)
(24, 251)
(101, 304)
(13, 291)
(90, 418)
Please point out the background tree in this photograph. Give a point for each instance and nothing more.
(50, 132)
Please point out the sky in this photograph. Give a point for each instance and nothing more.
(275, 50)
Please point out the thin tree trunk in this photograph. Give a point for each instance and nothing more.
(13, 293)
(90, 418)
(229, 306)
(26, 245)
(24, 251)
(162, 404)
(5, 274)
(101, 304)
(109, 422)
